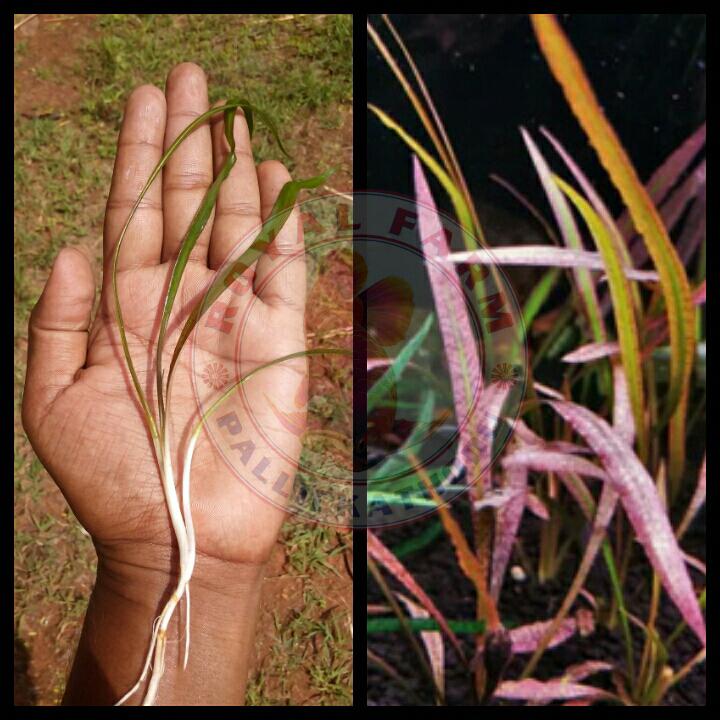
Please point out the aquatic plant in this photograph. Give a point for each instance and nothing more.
(608, 417)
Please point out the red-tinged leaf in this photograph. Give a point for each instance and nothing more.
(375, 363)
(547, 390)
(526, 637)
(668, 173)
(603, 514)
(695, 563)
(604, 214)
(548, 690)
(527, 436)
(381, 554)
(548, 461)
(545, 256)
(537, 507)
(467, 560)
(592, 351)
(623, 421)
(484, 422)
(571, 236)
(459, 341)
(507, 524)
(691, 188)
(693, 232)
(576, 673)
(585, 669)
(377, 609)
(432, 640)
(696, 502)
(643, 506)
(672, 210)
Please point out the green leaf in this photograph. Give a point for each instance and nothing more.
(625, 320)
(380, 389)
(270, 228)
(388, 625)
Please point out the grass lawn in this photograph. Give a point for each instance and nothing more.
(72, 75)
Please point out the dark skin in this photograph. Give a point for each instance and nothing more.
(85, 424)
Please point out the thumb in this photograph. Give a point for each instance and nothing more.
(58, 333)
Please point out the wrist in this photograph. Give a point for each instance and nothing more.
(130, 591)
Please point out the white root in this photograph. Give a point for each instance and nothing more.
(184, 532)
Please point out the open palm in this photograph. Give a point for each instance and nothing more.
(80, 410)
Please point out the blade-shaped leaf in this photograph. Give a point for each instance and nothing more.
(545, 255)
(571, 236)
(623, 309)
(696, 502)
(507, 524)
(274, 223)
(381, 388)
(668, 173)
(548, 690)
(432, 640)
(459, 341)
(568, 71)
(643, 506)
(592, 351)
(526, 637)
(384, 556)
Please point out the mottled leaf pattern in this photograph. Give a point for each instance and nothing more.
(384, 556)
(638, 494)
(544, 256)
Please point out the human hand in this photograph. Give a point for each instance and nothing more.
(79, 408)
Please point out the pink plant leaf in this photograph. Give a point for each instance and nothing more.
(527, 436)
(374, 363)
(585, 669)
(690, 188)
(380, 553)
(537, 507)
(668, 173)
(540, 460)
(431, 639)
(696, 502)
(693, 232)
(592, 351)
(623, 421)
(578, 672)
(459, 341)
(494, 498)
(643, 506)
(548, 690)
(485, 420)
(695, 563)
(567, 467)
(526, 637)
(507, 524)
(673, 208)
(544, 256)
(547, 390)
(568, 228)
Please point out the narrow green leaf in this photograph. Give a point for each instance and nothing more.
(271, 227)
(625, 320)
(388, 625)
(380, 389)
(187, 245)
